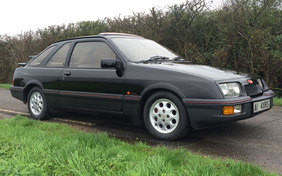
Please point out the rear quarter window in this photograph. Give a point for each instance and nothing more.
(38, 60)
(58, 59)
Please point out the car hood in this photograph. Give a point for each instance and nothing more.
(200, 70)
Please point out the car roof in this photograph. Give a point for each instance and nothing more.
(102, 35)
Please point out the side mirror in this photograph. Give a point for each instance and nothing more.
(108, 63)
(113, 63)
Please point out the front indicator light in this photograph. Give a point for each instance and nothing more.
(230, 110)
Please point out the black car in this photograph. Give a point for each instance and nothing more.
(130, 75)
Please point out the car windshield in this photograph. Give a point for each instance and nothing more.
(138, 49)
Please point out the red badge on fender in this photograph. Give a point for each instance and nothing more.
(250, 81)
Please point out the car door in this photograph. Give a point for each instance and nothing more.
(84, 84)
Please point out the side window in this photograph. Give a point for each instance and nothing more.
(58, 59)
(89, 54)
(42, 56)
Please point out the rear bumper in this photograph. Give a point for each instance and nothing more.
(204, 112)
(17, 92)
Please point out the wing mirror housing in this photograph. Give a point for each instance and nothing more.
(108, 63)
(113, 63)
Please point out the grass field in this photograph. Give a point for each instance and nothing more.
(5, 86)
(29, 147)
(277, 101)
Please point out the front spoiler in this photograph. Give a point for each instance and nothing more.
(204, 112)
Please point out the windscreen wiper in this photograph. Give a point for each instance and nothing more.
(154, 59)
(179, 59)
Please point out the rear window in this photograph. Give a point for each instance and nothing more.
(37, 61)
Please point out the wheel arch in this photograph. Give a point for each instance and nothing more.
(29, 85)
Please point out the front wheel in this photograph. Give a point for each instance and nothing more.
(37, 104)
(165, 116)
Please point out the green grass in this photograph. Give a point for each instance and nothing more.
(29, 147)
(277, 101)
(5, 86)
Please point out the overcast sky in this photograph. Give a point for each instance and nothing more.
(17, 16)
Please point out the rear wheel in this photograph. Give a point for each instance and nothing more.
(165, 116)
(37, 104)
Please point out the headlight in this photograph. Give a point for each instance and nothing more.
(230, 89)
(260, 83)
(265, 87)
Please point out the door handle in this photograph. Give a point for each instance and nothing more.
(67, 73)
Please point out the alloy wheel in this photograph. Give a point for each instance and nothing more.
(36, 103)
(164, 116)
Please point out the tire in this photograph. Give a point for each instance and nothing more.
(37, 104)
(165, 116)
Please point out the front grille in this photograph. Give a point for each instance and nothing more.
(253, 90)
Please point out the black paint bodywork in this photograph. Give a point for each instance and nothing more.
(125, 90)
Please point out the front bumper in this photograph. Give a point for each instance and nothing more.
(204, 112)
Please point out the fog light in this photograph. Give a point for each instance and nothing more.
(228, 110)
(237, 109)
